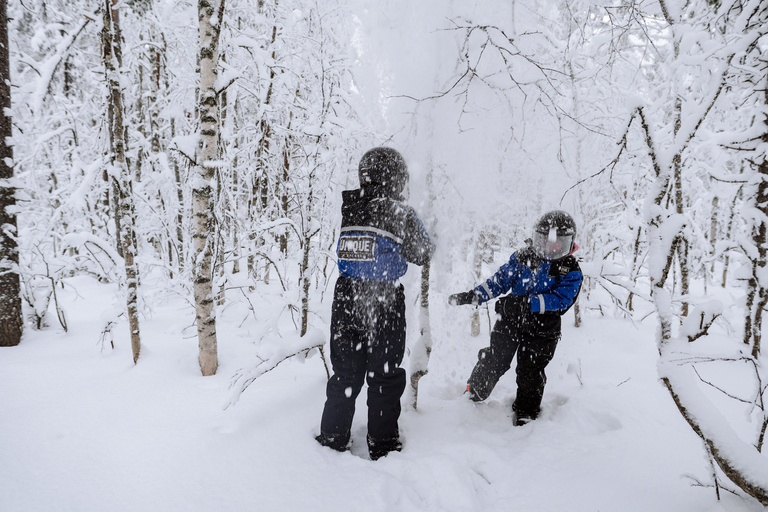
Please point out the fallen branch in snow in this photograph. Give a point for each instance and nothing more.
(718, 485)
(270, 356)
(718, 388)
(758, 402)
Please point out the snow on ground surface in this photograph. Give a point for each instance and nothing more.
(82, 429)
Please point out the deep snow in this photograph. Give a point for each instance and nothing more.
(83, 429)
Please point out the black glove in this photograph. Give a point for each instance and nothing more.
(459, 299)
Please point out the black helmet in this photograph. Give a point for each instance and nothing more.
(553, 235)
(383, 169)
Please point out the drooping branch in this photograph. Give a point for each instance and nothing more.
(747, 480)
(48, 69)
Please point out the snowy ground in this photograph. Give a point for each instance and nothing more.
(83, 429)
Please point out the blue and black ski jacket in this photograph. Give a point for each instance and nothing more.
(379, 237)
(538, 291)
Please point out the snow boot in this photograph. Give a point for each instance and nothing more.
(378, 448)
(520, 419)
(472, 393)
(336, 442)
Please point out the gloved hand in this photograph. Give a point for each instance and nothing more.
(459, 299)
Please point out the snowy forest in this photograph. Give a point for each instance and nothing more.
(170, 183)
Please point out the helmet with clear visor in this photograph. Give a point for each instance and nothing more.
(553, 235)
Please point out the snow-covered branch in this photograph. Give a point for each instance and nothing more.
(270, 355)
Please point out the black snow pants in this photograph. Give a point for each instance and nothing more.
(534, 352)
(367, 341)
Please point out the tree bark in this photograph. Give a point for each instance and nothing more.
(203, 226)
(761, 235)
(11, 321)
(477, 263)
(122, 176)
(423, 347)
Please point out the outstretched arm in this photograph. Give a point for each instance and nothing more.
(500, 282)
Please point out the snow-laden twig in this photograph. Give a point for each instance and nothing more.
(48, 68)
(270, 355)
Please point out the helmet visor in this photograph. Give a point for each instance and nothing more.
(552, 246)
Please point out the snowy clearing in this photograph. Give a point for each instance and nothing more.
(83, 429)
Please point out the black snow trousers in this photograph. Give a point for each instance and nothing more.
(367, 341)
(534, 352)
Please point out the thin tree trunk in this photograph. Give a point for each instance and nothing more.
(260, 197)
(635, 268)
(728, 232)
(423, 347)
(761, 235)
(180, 205)
(478, 267)
(714, 230)
(11, 321)
(122, 181)
(284, 196)
(682, 246)
(203, 237)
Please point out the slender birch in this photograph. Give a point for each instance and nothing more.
(121, 175)
(203, 180)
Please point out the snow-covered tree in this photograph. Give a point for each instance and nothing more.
(695, 50)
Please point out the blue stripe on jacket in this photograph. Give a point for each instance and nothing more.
(547, 293)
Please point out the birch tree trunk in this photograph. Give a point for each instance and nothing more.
(203, 226)
(477, 264)
(760, 239)
(423, 346)
(121, 175)
(11, 321)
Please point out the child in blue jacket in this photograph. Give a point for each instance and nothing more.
(380, 235)
(539, 283)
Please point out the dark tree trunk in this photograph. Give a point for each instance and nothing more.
(10, 287)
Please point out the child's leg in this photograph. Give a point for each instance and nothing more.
(386, 379)
(533, 356)
(348, 359)
(492, 361)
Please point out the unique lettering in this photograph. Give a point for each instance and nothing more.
(357, 248)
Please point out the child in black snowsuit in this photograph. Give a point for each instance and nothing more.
(379, 236)
(542, 282)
